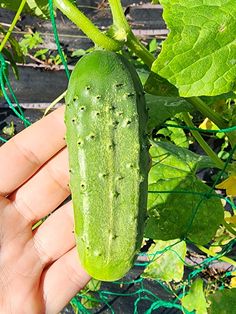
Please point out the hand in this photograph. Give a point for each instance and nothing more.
(39, 270)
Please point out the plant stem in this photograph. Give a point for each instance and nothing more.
(55, 101)
(8, 34)
(223, 258)
(207, 149)
(208, 112)
(132, 42)
(87, 27)
(213, 116)
(119, 19)
(138, 48)
(229, 228)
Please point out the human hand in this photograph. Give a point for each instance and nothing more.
(39, 270)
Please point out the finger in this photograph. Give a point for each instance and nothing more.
(55, 236)
(45, 191)
(62, 280)
(26, 152)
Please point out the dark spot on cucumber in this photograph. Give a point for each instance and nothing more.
(103, 175)
(88, 87)
(114, 236)
(97, 113)
(130, 94)
(82, 185)
(128, 122)
(116, 194)
(91, 136)
(131, 166)
(82, 108)
(97, 253)
(73, 120)
(75, 98)
(98, 96)
(112, 108)
(118, 178)
(115, 123)
(119, 85)
(111, 145)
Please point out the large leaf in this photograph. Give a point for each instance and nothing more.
(178, 203)
(199, 55)
(162, 108)
(169, 264)
(223, 302)
(195, 299)
(39, 8)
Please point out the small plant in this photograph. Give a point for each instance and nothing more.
(30, 41)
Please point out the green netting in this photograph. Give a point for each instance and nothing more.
(135, 287)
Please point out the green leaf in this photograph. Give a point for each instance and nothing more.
(162, 108)
(165, 154)
(176, 135)
(89, 302)
(93, 285)
(223, 302)
(30, 41)
(39, 8)
(169, 264)
(14, 53)
(195, 299)
(78, 53)
(9, 129)
(152, 46)
(199, 55)
(159, 86)
(177, 205)
(8, 56)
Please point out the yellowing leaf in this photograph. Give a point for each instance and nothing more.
(229, 185)
(233, 282)
(208, 125)
(231, 220)
(169, 264)
(195, 299)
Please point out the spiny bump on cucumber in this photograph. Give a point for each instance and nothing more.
(108, 153)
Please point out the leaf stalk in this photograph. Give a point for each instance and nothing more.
(207, 149)
(86, 26)
(13, 24)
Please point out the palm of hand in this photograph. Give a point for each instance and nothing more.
(39, 270)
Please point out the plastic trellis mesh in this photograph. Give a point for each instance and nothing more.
(164, 297)
(5, 82)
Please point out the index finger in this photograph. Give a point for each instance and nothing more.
(26, 152)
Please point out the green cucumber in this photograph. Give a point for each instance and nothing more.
(106, 121)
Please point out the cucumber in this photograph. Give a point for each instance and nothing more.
(106, 121)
